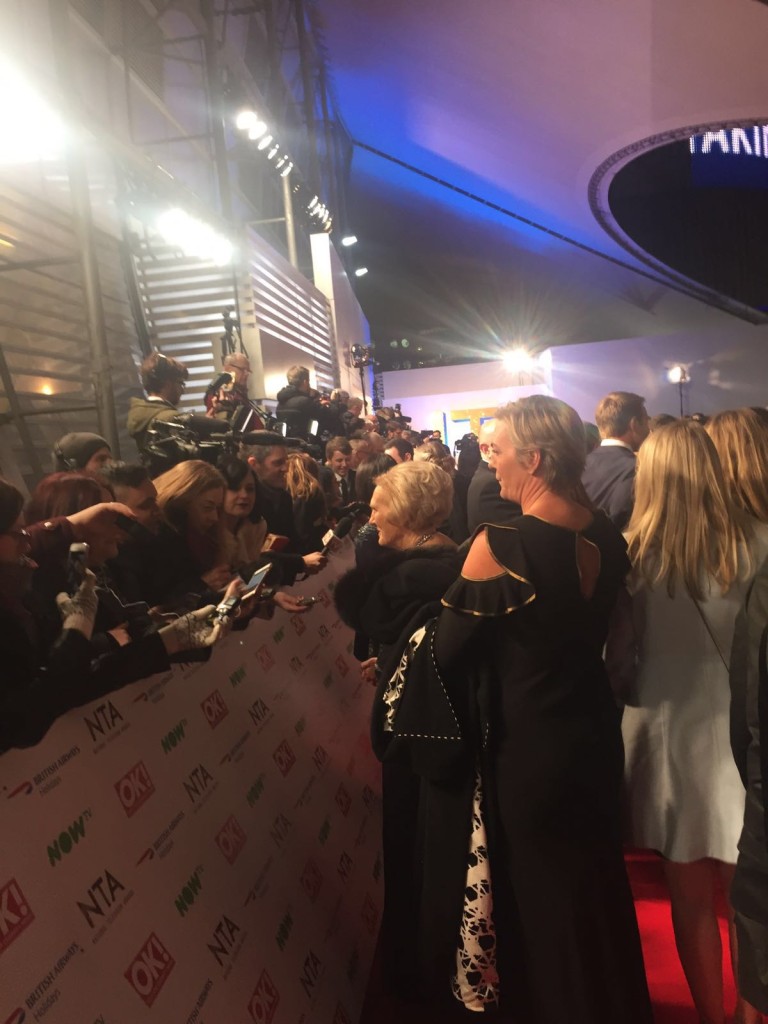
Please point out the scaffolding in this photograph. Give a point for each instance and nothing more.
(152, 89)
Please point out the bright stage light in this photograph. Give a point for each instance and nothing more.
(248, 121)
(273, 152)
(361, 271)
(245, 119)
(286, 170)
(194, 237)
(256, 130)
(349, 240)
(677, 375)
(267, 140)
(29, 129)
(517, 360)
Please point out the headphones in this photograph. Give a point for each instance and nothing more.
(62, 460)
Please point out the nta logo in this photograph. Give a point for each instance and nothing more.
(135, 788)
(197, 782)
(223, 939)
(15, 913)
(101, 896)
(105, 718)
(149, 969)
(70, 837)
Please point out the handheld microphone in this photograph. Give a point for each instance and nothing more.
(342, 529)
(218, 382)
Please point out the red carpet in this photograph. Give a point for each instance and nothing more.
(669, 992)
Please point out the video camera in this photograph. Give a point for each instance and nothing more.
(465, 441)
(191, 436)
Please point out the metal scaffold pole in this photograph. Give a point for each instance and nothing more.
(84, 229)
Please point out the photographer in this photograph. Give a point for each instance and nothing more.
(298, 405)
(223, 402)
(164, 380)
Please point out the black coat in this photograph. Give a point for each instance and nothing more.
(749, 743)
(298, 409)
(380, 598)
(276, 506)
(609, 480)
(485, 503)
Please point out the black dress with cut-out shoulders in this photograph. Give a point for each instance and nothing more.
(510, 683)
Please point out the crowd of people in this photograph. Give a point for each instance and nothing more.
(566, 628)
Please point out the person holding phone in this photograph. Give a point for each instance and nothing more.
(268, 458)
(51, 663)
(243, 535)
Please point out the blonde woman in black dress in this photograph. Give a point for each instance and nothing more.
(503, 706)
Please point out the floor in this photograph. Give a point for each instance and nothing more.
(669, 992)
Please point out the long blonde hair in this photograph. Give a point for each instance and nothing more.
(684, 525)
(179, 486)
(741, 439)
(301, 479)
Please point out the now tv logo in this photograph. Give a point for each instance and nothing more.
(135, 788)
(149, 969)
(214, 709)
(67, 839)
(15, 913)
(230, 839)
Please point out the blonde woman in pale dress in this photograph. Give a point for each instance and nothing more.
(694, 554)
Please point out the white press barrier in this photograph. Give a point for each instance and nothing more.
(201, 847)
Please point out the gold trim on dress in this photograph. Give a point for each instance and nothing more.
(488, 615)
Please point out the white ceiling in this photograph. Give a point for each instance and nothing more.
(520, 102)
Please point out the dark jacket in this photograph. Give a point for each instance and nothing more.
(485, 503)
(609, 480)
(141, 415)
(42, 680)
(381, 597)
(276, 507)
(749, 741)
(329, 485)
(298, 409)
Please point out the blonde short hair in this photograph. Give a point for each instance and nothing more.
(741, 439)
(684, 525)
(551, 427)
(420, 495)
(180, 486)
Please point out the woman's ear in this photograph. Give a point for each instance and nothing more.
(530, 460)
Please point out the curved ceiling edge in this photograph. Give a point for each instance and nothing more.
(597, 195)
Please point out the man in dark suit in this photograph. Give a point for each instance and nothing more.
(609, 475)
(336, 478)
(484, 501)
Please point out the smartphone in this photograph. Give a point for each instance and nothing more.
(77, 563)
(227, 608)
(314, 427)
(256, 580)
